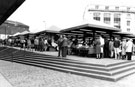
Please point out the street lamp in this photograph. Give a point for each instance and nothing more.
(5, 31)
(44, 23)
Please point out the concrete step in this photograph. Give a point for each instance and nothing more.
(64, 63)
(66, 66)
(125, 64)
(61, 60)
(93, 75)
(125, 69)
(90, 70)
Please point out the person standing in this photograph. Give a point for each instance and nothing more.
(111, 48)
(64, 46)
(60, 46)
(29, 44)
(97, 45)
(129, 48)
(102, 45)
(116, 48)
(36, 43)
(45, 44)
(106, 48)
(123, 48)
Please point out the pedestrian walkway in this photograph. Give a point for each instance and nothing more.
(4, 82)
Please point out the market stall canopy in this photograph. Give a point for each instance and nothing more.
(131, 36)
(88, 26)
(24, 32)
(52, 29)
(16, 34)
(7, 7)
(124, 34)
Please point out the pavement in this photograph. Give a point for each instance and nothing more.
(20, 75)
(4, 82)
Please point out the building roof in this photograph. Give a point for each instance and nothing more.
(7, 7)
(87, 26)
(16, 24)
(52, 29)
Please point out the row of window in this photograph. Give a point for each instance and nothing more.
(107, 8)
(107, 19)
(109, 14)
(116, 20)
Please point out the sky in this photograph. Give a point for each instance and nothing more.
(41, 14)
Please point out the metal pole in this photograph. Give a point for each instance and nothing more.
(44, 24)
(5, 32)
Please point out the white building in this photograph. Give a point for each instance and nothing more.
(121, 17)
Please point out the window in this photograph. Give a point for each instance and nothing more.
(128, 29)
(117, 15)
(128, 15)
(128, 23)
(117, 18)
(96, 16)
(96, 7)
(116, 8)
(106, 7)
(128, 8)
(107, 18)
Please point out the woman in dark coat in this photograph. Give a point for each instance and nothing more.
(97, 44)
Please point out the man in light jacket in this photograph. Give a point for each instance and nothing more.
(129, 48)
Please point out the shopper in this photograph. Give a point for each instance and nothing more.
(60, 46)
(123, 49)
(64, 46)
(111, 48)
(97, 45)
(116, 48)
(129, 49)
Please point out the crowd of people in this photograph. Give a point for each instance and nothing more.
(103, 47)
(37, 43)
(114, 48)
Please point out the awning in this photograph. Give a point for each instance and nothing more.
(90, 26)
(124, 34)
(52, 29)
(7, 7)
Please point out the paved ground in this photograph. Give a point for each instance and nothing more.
(20, 75)
(4, 82)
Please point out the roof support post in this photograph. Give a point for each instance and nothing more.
(93, 34)
(84, 36)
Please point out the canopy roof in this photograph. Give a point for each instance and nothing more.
(7, 7)
(88, 26)
(52, 29)
(123, 33)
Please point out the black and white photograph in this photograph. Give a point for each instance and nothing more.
(67, 43)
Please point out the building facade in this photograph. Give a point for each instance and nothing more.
(12, 27)
(120, 17)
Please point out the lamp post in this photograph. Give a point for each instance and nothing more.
(5, 31)
(44, 24)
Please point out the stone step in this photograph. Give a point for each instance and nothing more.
(125, 69)
(121, 65)
(115, 65)
(125, 64)
(66, 66)
(90, 70)
(93, 75)
(60, 60)
(65, 63)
